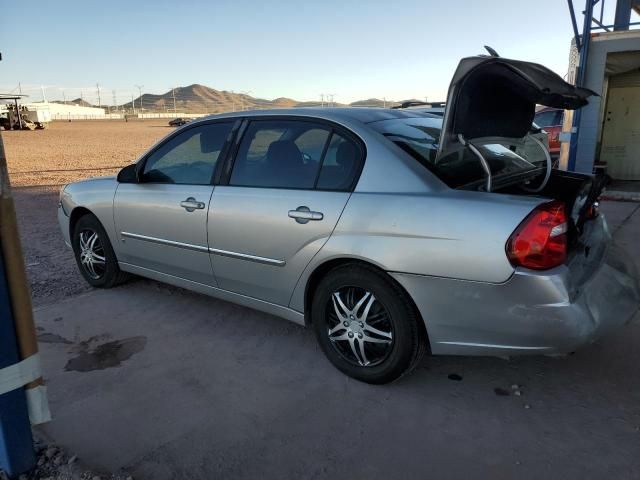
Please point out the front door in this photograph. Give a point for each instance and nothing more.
(161, 221)
(290, 182)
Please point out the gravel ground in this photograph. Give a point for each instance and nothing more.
(40, 163)
(54, 463)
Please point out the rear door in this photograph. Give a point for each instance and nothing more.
(161, 221)
(280, 201)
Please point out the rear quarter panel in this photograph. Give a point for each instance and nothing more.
(452, 234)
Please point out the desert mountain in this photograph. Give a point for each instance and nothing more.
(198, 98)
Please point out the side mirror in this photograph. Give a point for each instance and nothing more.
(128, 174)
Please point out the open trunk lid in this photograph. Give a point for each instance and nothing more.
(496, 97)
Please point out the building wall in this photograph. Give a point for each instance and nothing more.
(590, 121)
(63, 112)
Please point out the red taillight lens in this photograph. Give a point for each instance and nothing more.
(540, 241)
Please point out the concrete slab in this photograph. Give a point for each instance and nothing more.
(195, 387)
(624, 190)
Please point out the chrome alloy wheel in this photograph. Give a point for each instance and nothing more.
(359, 327)
(92, 256)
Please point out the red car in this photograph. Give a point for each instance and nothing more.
(550, 119)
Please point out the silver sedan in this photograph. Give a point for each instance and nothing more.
(389, 232)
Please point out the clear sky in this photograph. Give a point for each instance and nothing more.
(396, 49)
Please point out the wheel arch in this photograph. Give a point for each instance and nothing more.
(75, 215)
(324, 268)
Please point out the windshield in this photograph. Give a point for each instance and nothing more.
(419, 137)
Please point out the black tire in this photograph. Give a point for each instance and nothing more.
(105, 274)
(393, 310)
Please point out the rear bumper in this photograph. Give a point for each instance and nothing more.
(532, 312)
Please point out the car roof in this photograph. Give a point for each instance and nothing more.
(360, 114)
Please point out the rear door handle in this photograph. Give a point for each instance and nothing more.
(191, 204)
(305, 214)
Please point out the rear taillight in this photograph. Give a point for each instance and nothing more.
(540, 241)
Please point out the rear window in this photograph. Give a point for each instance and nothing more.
(549, 118)
(419, 137)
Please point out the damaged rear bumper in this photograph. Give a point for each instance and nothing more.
(550, 312)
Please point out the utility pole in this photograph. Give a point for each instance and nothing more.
(44, 97)
(99, 100)
(140, 87)
(322, 100)
(113, 98)
(242, 99)
(20, 88)
(133, 105)
(173, 91)
(64, 97)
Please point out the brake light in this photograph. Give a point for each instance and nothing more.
(540, 241)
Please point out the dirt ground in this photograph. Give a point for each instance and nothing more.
(40, 163)
(70, 151)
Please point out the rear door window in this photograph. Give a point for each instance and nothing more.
(294, 154)
(341, 164)
(549, 118)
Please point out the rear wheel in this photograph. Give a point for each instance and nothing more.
(94, 254)
(366, 325)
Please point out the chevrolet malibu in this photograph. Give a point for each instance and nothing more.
(389, 232)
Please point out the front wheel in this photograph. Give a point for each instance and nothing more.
(366, 325)
(94, 255)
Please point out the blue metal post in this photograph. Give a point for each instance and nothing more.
(16, 443)
(580, 78)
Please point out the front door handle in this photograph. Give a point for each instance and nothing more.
(305, 214)
(191, 204)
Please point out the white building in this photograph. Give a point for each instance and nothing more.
(59, 111)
